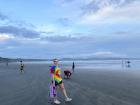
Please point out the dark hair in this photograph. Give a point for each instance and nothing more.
(55, 60)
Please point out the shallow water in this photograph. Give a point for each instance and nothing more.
(94, 64)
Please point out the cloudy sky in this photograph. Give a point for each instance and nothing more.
(69, 28)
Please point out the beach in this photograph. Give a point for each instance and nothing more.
(86, 86)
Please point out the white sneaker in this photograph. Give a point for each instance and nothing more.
(57, 101)
(68, 99)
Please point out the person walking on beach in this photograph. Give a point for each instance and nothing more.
(73, 66)
(56, 78)
(128, 63)
(7, 63)
(21, 67)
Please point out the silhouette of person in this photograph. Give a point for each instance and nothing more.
(73, 66)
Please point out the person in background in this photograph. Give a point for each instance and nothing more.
(128, 63)
(73, 66)
(56, 78)
(21, 67)
(7, 63)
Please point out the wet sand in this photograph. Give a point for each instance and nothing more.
(86, 87)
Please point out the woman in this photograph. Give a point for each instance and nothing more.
(57, 80)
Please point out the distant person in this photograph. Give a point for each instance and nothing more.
(21, 67)
(73, 66)
(128, 63)
(56, 78)
(7, 63)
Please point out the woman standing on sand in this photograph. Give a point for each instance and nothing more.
(57, 81)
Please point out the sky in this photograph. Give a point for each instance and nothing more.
(69, 28)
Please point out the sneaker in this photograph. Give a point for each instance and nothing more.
(68, 99)
(57, 101)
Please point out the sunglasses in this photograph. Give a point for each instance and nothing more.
(55, 61)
